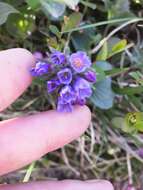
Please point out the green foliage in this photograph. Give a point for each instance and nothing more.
(118, 8)
(53, 8)
(33, 3)
(103, 54)
(103, 95)
(18, 26)
(72, 3)
(5, 11)
(85, 39)
(118, 47)
(111, 48)
(138, 76)
(72, 21)
(131, 123)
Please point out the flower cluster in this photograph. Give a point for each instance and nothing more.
(70, 77)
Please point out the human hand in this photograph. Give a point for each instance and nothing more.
(25, 139)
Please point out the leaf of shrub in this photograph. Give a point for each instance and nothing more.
(103, 95)
(103, 53)
(33, 3)
(5, 11)
(118, 47)
(119, 8)
(56, 9)
(72, 21)
(100, 74)
(85, 39)
(70, 3)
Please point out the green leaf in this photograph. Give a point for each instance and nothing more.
(138, 76)
(89, 4)
(103, 95)
(118, 47)
(120, 123)
(84, 40)
(119, 8)
(103, 54)
(72, 21)
(116, 71)
(100, 74)
(113, 21)
(104, 65)
(70, 3)
(128, 90)
(5, 11)
(55, 30)
(33, 3)
(18, 26)
(135, 120)
(55, 9)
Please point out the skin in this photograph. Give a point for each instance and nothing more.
(28, 138)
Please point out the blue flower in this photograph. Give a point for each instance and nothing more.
(64, 107)
(40, 69)
(80, 61)
(67, 94)
(82, 88)
(90, 76)
(52, 85)
(70, 77)
(65, 76)
(57, 58)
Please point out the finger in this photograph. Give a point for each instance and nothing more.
(62, 185)
(23, 140)
(14, 74)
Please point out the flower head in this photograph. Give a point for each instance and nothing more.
(67, 94)
(57, 58)
(69, 77)
(80, 101)
(40, 69)
(64, 107)
(83, 88)
(80, 61)
(65, 76)
(52, 85)
(90, 76)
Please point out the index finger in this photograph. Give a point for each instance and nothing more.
(62, 185)
(14, 74)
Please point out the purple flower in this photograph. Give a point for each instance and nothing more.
(82, 88)
(80, 101)
(52, 85)
(80, 61)
(67, 94)
(57, 57)
(64, 107)
(65, 76)
(90, 76)
(69, 76)
(38, 55)
(40, 69)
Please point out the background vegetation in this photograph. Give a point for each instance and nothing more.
(111, 32)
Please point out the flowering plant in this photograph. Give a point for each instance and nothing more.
(70, 77)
